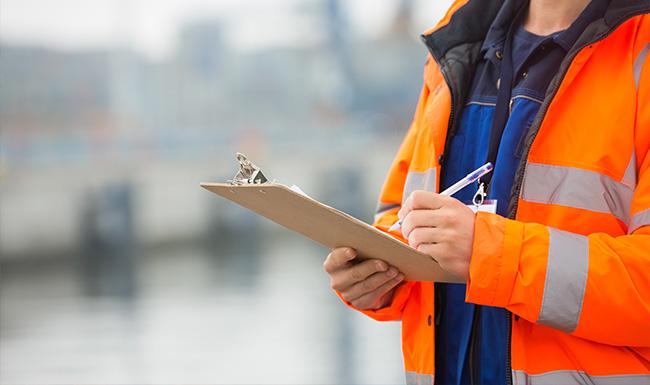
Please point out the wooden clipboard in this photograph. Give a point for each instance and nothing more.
(330, 227)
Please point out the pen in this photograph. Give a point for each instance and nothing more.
(453, 189)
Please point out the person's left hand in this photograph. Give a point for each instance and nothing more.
(440, 226)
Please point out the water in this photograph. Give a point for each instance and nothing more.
(258, 313)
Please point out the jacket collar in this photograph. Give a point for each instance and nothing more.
(472, 21)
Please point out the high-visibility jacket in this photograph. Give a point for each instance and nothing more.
(571, 262)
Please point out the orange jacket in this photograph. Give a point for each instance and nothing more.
(572, 260)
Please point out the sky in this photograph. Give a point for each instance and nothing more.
(151, 26)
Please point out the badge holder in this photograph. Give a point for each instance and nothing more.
(479, 203)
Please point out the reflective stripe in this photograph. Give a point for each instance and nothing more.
(566, 280)
(639, 219)
(573, 187)
(383, 208)
(638, 64)
(575, 377)
(629, 179)
(413, 378)
(419, 181)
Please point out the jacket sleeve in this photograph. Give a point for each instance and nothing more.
(595, 286)
(390, 201)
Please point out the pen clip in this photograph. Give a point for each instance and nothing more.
(248, 172)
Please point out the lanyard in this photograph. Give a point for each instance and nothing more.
(504, 93)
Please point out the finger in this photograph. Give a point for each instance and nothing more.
(421, 199)
(369, 284)
(425, 235)
(338, 259)
(434, 250)
(368, 300)
(342, 279)
(421, 218)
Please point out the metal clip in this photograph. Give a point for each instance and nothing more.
(480, 195)
(248, 172)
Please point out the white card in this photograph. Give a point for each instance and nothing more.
(488, 206)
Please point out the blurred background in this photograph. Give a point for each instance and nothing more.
(115, 267)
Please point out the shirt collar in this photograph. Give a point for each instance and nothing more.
(594, 11)
(496, 35)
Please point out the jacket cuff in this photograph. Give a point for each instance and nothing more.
(392, 312)
(495, 260)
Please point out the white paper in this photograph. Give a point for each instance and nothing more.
(297, 189)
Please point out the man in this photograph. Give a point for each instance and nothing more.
(556, 93)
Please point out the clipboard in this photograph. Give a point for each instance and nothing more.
(326, 225)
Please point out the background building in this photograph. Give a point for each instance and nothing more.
(115, 267)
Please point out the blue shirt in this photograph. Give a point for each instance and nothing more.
(471, 339)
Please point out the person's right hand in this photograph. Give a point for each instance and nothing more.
(366, 285)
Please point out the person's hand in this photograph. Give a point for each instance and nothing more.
(440, 226)
(366, 285)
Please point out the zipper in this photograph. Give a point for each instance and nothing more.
(528, 144)
(451, 130)
(519, 181)
(508, 348)
(512, 101)
(474, 374)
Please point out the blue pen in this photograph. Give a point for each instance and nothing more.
(453, 189)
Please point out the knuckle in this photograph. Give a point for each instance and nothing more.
(407, 226)
(390, 285)
(446, 237)
(367, 286)
(415, 236)
(413, 242)
(377, 265)
(418, 194)
(450, 218)
(442, 251)
(355, 274)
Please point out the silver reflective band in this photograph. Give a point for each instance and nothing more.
(639, 219)
(383, 208)
(566, 280)
(629, 179)
(419, 181)
(638, 64)
(575, 377)
(573, 187)
(413, 378)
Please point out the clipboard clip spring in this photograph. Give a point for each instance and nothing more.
(248, 172)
